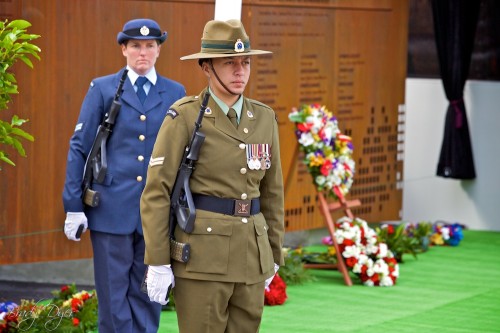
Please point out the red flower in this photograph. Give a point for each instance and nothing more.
(64, 288)
(276, 293)
(390, 229)
(304, 127)
(351, 261)
(348, 242)
(11, 316)
(326, 167)
(76, 321)
(76, 304)
(85, 296)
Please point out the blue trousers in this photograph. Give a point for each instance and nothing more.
(118, 271)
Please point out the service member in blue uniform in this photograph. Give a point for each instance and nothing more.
(115, 224)
(237, 185)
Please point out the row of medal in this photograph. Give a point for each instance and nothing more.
(258, 156)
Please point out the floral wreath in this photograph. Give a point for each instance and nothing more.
(369, 259)
(327, 151)
(68, 311)
(446, 233)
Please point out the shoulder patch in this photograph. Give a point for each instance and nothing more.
(172, 113)
(78, 127)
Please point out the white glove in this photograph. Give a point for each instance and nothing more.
(160, 280)
(269, 280)
(72, 223)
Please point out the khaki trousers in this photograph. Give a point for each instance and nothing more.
(218, 307)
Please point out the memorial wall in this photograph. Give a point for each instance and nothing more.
(349, 55)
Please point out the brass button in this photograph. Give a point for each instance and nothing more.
(142, 137)
(243, 146)
(244, 220)
(139, 178)
(142, 117)
(243, 171)
(140, 158)
(245, 130)
(244, 196)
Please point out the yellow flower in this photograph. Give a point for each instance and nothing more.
(437, 239)
(316, 161)
(331, 251)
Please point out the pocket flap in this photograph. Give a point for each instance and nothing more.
(260, 227)
(213, 227)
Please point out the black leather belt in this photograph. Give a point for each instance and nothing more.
(233, 207)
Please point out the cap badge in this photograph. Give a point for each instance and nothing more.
(144, 30)
(239, 46)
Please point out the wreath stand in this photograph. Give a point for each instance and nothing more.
(326, 209)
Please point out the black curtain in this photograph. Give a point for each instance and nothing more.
(455, 24)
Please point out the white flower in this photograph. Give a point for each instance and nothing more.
(306, 139)
(368, 283)
(445, 232)
(320, 180)
(383, 250)
(386, 281)
(351, 252)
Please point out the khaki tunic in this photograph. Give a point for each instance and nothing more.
(223, 247)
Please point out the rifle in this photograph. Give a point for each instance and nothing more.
(182, 209)
(96, 164)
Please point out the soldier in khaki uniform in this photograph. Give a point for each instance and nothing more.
(237, 189)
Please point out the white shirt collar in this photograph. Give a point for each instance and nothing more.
(151, 75)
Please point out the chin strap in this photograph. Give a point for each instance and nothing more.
(218, 79)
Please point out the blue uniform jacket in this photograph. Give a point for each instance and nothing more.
(128, 151)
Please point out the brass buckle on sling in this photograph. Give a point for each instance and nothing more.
(242, 207)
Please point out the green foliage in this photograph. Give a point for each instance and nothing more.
(293, 272)
(14, 45)
(398, 240)
(421, 231)
(69, 312)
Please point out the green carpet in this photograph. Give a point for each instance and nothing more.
(447, 289)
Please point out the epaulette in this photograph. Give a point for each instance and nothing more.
(173, 111)
(184, 100)
(253, 101)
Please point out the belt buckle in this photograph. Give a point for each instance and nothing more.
(242, 207)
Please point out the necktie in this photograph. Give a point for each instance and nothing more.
(140, 89)
(233, 117)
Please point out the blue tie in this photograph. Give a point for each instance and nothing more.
(140, 89)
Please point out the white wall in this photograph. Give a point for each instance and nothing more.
(475, 203)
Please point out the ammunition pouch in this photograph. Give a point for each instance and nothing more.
(179, 251)
(91, 198)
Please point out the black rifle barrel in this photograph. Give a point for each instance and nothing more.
(96, 159)
(182, 209)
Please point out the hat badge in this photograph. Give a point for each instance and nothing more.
(144, 30)
(239, 46)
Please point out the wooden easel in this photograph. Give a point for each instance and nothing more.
(326, 210)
